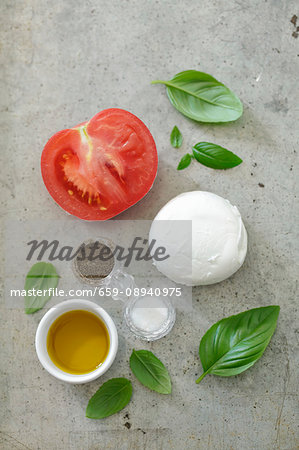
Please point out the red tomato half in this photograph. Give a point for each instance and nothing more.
(102, 167)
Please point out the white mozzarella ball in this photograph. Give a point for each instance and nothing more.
(214, 249)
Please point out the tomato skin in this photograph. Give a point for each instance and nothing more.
(100, 168)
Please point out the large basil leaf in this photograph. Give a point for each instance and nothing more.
(234, 344)
(150, 371)
(110, 398)
(176, 138)
(41, 277)
(201, 97)
(214, 156)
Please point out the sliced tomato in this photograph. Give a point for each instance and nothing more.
(99, 168)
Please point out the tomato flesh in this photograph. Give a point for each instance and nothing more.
(102, 167)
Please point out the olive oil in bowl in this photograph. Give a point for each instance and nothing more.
(78, 342)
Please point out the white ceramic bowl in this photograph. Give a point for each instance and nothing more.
(42, 333)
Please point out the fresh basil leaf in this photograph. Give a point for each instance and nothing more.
(214, 156)
(201, 97)
(42, 276)
(150, 371)
(110, 398)
(184, 162)
(234, 344)
(176, 138)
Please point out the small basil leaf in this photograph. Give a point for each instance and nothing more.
(42, 276)
(234, 344)
(201, 97)
(184, 162)
(110, 398)
(176, 137)
(150, 371)
(214, 156)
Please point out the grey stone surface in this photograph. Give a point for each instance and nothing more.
(63, 61)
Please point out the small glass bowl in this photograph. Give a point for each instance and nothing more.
(96, 281)
(153, 334)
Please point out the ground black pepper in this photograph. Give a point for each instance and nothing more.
(94, 261)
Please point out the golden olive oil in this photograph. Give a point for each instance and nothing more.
(78, 342)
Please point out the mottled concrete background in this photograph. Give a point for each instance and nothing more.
(63, 61)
